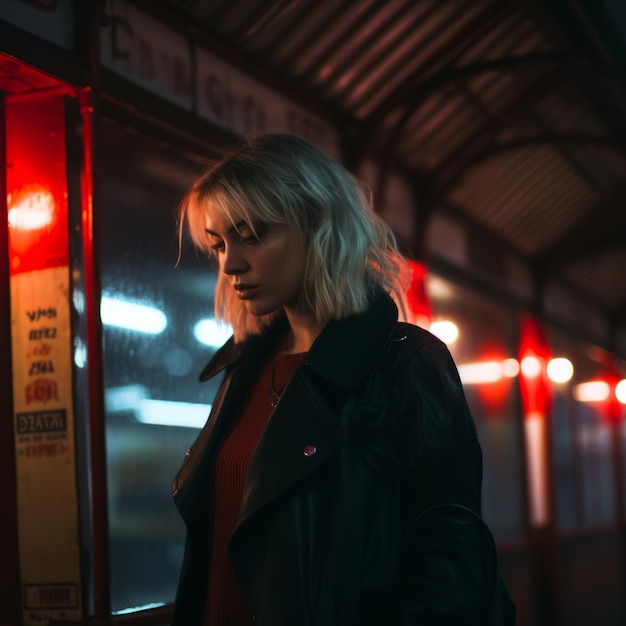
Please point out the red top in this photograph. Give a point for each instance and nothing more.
(225, 603)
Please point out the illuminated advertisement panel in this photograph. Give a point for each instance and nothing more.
(42, 371)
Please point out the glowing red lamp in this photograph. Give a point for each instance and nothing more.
(417, 298)
(534, 354)
(37, 185)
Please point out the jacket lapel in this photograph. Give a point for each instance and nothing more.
(301, 435)
(241, 372)
(190, 481)
(305, 431)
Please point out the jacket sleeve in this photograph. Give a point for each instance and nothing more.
(448, 560)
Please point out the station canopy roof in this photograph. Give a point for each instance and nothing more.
(509, 115)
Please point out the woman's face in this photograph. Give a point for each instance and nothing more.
(266, 272)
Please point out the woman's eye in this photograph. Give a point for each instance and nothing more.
(216, 247)
(249, 236)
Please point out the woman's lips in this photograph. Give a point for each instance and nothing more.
(245, 291)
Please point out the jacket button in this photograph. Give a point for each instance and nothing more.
(310, 451)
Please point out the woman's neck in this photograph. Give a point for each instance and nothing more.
(302, 332)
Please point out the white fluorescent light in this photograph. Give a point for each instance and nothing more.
(560, 370)
(620, 391)
(159, 412)
(212, 333)
(132, 316)
(593, 391)
(135, 609)
(80, 353)
(124, 398)
(476, 373)
(166, 413)
(530, 366)
(78, 298)
(447, 331)
(510, 368)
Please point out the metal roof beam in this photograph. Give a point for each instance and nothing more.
(602, 228)
(572, 20)
(559, 140)
(338, 14)
(445, 56)
(453, 75)
(362, 21)
(362, 75)
(258, 17)
(483, 140)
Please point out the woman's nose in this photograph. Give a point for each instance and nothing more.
(233, 262)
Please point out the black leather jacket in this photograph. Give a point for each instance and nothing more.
(361, 499)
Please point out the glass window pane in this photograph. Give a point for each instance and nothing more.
(622, 462)
(581, 440)
(487, 339)
(153, 400)
(566, 468)
(594, 445)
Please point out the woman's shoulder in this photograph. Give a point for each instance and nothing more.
(424, 355)
(415, 336)
(414, 341)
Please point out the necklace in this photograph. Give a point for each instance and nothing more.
(274, 393)
(286, 364)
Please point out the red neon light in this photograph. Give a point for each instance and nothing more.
(613, 407)
(417, 298)
(534, 386)
(37, 184)
(494, 396)
(32, 214)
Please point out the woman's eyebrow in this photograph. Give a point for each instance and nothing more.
(233, 229)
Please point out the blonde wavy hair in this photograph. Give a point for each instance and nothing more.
(283, 179)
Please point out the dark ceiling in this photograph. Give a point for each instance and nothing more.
(508, 115)
(511, 115)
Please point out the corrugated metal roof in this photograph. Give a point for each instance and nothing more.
(595, 275)
(529, 197)
(500, 109)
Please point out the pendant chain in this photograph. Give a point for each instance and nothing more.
(275, 393)
(284, 376)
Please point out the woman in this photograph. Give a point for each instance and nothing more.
(337, 481)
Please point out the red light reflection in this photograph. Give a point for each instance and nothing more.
(534, 353)
(31, 208)
(495, 395)
(417, 298)
(37, 184)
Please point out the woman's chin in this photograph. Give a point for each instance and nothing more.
(258, 309)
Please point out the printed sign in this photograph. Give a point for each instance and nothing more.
(62, 596)
(159, 59)
(47, 502)
(44, 445)
(244, 106)
(147, 53)
(50, 19)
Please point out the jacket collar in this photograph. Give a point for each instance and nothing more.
(344, 351)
